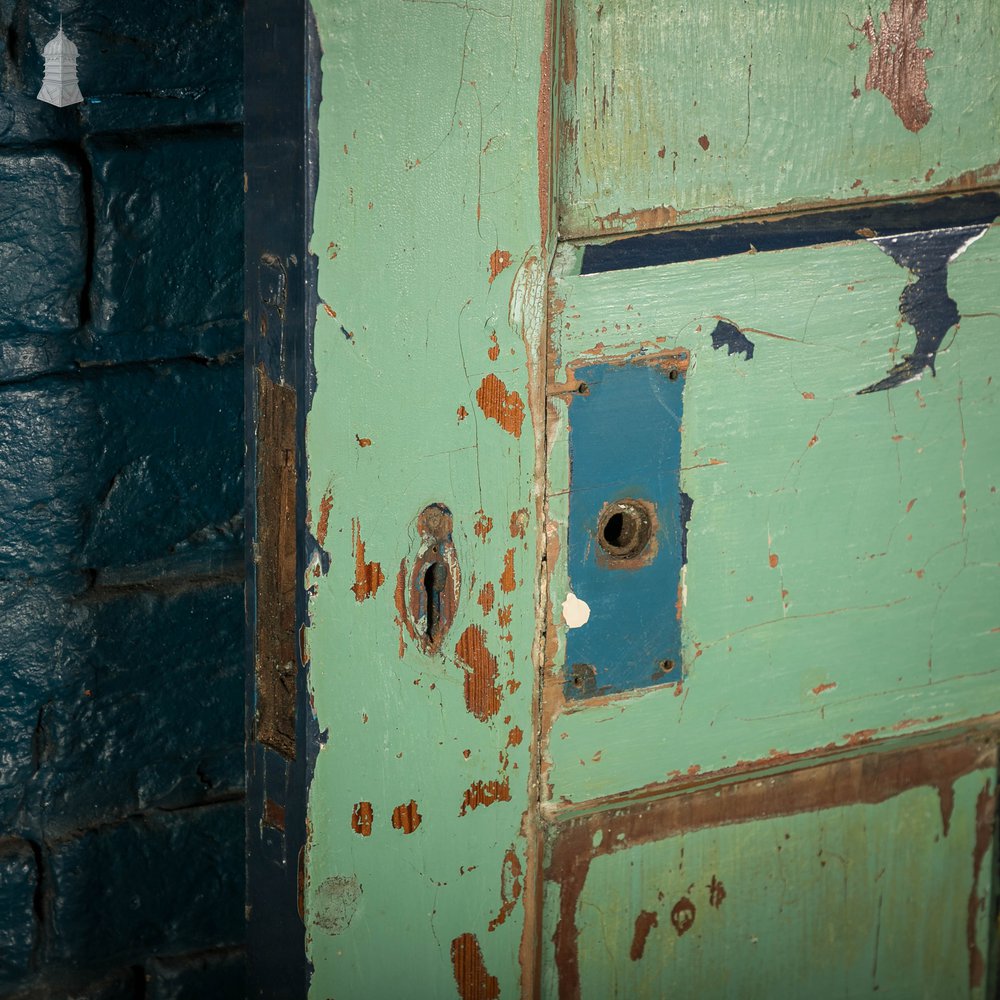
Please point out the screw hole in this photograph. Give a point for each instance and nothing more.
(673, 374)
(583, 389)
(666, 666)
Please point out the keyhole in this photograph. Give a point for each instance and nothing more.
(434, 580)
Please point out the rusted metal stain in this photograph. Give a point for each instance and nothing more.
(510, 887)
(506, 408)
(985, 816)
(499, 261)
(867, 779)
(471, 976)
(484, 793)
(275, 661)
(644, 923)
(406, 817)
(896, 65)
(368, 576)
(361, 818)
(482, 692)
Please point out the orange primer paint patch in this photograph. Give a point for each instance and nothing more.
(507, 581)
(471, 976)
(486, 597)
(506, 408)
(499, 261)
(483, 525)
(772, 560)
(482, 692)
(494, 352)
(361, 819)
(820, 688)
(325, 506)
(406, 817)
(485, 793)
(510, 887)
(368, 576)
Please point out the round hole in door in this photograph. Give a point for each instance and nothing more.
(625, 528)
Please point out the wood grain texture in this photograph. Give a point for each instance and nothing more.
(676, 113)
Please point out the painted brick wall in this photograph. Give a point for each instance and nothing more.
(121, 601)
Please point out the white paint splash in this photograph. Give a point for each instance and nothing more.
(575, 612)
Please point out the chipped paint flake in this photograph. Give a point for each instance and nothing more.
(506, 408)
(482, 692)
(644, 923)
(484, 793)
(368, 576)
(471, 977)
(576, 612)
(896, 65)
(406, 817)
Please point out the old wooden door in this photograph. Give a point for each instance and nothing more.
(627, 530)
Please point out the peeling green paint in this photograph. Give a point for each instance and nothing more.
(689, 112)
(843, 550)
(431, 280)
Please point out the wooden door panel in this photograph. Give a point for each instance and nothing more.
(866, 875)
(840, 580)
(682, 112)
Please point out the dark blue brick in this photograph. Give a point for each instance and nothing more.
(155, 717)
(219, 976)
(172, 462)
(168, 239)
(141, 65)
(18, 926)
(42, 241)
(48, 440)
(43, 637)
(121, 467)
(167, 882)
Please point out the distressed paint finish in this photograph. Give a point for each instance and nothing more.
(871, 874)
(841, 582)
(430, 229)
(684, 112)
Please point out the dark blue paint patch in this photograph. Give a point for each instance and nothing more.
(733, 338)
(812, 229)
(347, 333)
(624, 444)
(687, 504)
(925, 303)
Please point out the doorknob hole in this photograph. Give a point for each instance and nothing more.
(625, 528)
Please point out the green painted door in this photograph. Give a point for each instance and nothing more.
(653, 528)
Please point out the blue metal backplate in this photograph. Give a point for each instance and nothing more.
(624, 442)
